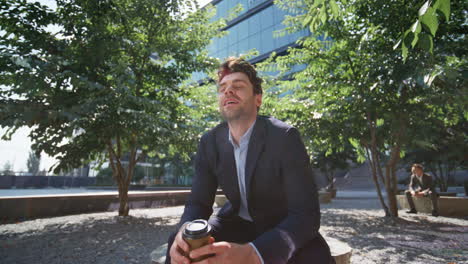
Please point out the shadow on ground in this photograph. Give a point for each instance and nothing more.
(110, 239)
(377, 239)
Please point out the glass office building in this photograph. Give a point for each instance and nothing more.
(252, 28)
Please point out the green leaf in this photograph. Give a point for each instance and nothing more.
(402, 154)
(334, 8)
(323, 16)
(430, 21)
(425, 42)
(354, 142)
(444, 7)
(398, 43)
(317, 3)
(415, 40)
(307, 20)
(409, 37)
(424, 8)
(380, 122)
(404, 51)
(416, 27)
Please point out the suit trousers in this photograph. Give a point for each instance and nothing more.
(434, 199)
(238, 230)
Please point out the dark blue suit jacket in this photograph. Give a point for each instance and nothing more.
(282, 195)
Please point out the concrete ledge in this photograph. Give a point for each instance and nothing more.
(325, 197)
(340, 251)
(448, 205)
(453, 194)
(20, 207)
(158, 256)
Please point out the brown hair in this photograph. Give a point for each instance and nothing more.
(233, 64)
(417, 165)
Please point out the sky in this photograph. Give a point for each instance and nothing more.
(17, 149)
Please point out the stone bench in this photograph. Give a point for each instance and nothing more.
(37, 206)
(448, 205)
(25, 207)
(402, 192)
(340, 251)
(325, 197)
(452, 194)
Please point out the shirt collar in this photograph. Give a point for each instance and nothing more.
(244, 138)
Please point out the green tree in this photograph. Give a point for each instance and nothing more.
(358, 89)
(424, 29)
(33, 163)
(106, 86)
(443, 154)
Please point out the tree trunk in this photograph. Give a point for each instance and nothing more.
(375, 162)
(329, 172)
(390, 170)
(391, 192)
(332, 181)
(442, 182)
(120, 176)
(123, 200)
(376, 182)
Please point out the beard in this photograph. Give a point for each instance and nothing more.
(243, 111)
(232, 114)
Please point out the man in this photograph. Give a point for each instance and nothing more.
(272, 215)
(421, 186)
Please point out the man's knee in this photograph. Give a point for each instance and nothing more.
(317, 249)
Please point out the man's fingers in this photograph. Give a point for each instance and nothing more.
(177, 257)
(215, 248)
(179, 241)
(178, 248)
(210, 260)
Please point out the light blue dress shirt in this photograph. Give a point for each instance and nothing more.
(240, 155)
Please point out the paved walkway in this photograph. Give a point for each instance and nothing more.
(107, 238)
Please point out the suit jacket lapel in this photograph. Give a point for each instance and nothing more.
(256, 146)
(228, 163)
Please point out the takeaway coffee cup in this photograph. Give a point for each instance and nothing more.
(197, 234)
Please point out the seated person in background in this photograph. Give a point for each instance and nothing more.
(421, 185)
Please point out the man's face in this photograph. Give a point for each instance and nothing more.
(417, 171)
(236, 97)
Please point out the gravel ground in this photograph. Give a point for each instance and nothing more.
(107, 238)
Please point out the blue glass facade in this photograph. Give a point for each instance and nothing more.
(253, 28)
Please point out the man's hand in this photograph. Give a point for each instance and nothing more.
(178, 247)
(419, 194)
(227, 253)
